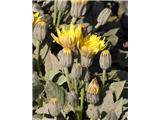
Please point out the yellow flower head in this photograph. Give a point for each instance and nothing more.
(37, 18)
(91, 45)
(68, 38)
(93, 87)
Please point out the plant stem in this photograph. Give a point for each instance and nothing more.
(104, 77)
(55, 15)
(75, 86)
(82, 100)
(67, 77)
(59, 18)
(37, 56)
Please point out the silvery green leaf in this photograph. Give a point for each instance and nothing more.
(50, 75)
(118, 75)
(118, 107)
(62, 79)
(37, 86)
(111, 32)
(110, 116)
(107, 102)
(52, 66)
(116, 88)
(44, 51)
(113, 39)
(53, 90)
(43, 110)
(125, 116)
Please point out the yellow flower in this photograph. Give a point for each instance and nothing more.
(91, 45)
(68, 38)
(37, 18)
(93, 87)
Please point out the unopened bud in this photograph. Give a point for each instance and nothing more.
(105, 60)
(93, 112)
(93, 92)
(76, 71)
(60, 5)
(78, 8)
(103, 16)
(65, 57)
(40, 29)
(72, 98)
(54, 107)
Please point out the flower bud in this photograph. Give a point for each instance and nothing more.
(72, 98)
(93, 112)
(60, 5)
(105, 60)
(86, 61)
(40, 29)
(65, 57)
(78, 8)
(54, 107)
(103, 16)
(93, 91)
(76, 71)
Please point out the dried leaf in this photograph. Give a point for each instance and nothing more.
(117, 88)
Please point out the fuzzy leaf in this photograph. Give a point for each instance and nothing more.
(118, 107)
(110, 116)
(62, 79)
(44, 51)
(113, 39)
(118, 75)
(37, 86)
(107, 102)
(43, 110)
(117, 88)
(52, 66)
(111, 32)
(53, 90)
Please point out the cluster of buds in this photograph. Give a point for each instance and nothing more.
(93, 92)
(105, 60)
(54, 107)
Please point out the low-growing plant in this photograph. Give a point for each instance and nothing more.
(74, 77)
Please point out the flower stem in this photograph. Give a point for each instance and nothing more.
(104, 77)
(82, 99)
(75, 86)
(59, 18)
(37, 56)
(67, 77)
